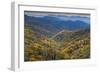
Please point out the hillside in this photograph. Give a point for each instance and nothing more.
(54, 24)
(50, 36)
(66, 35)
(40, 47)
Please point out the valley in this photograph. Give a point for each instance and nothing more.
(63, 45)
(52, 37)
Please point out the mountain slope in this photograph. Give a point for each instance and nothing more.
(39, 47)
(54, 24)
(50, 38)
(66, 35)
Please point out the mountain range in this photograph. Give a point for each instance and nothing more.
(52, 24)
(54, 38)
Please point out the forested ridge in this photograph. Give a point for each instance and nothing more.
(56, 46)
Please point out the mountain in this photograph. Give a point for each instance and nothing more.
(40, 25)
(61, 34)
(64, 23)
(51, 38)
(63, 45)
(53, 24)
(66, 35)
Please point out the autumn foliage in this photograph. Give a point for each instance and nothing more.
(38, 47)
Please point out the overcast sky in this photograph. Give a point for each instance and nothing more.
(32, 13)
